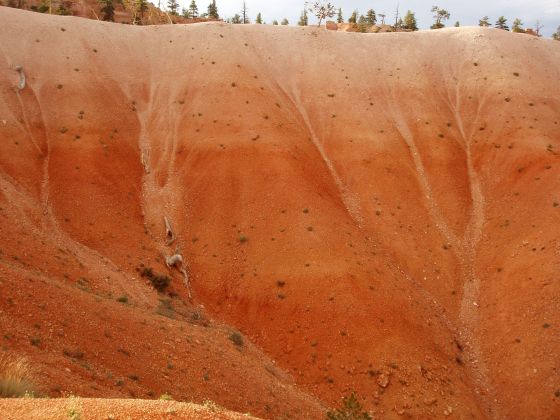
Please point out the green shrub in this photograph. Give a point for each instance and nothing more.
(351, 410)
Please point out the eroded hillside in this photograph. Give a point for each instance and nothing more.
(375, 213)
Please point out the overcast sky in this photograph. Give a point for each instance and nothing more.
(466, 12)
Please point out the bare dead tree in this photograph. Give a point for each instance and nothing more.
(321, 10)
(244, 14)
(538, 27)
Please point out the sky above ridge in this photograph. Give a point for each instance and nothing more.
(466, 12)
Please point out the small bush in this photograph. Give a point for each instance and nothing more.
(122, 299)
(351, 410)
(15, 377)
(160, 282)
(166, 397)
(165, 308)
(236, 339)
(243, 239)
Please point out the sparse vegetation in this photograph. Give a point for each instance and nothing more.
(122, 299)
(15, 377)
(160, 282)
(440, 15)
(166, 397)
(236, 339)
(165, 308)
(322, 10)
(351, 410)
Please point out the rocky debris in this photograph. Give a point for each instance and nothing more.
(331, 26)
(169, 235)
(21, 84)
(383, 380)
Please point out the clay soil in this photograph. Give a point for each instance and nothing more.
(376, 213)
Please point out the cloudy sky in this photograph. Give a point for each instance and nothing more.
(466, 12)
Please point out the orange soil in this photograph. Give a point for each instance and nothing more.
(73, 407)
(398, 193)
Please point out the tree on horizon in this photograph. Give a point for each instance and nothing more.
(284, 22)
(213, 10)
(410, 21)
(339, 18)
(303, 19)
(259, 20)
(322, 10)
(440, 16)
(193, 9)
(371, 17)
(501, 24)
(484, 22)
(244, 14)
(517, 26)
(173, 6)
(556, 35)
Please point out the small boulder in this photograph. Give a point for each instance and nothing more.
(383, 380)
(331, 26)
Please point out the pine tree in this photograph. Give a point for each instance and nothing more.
(362, 24)
(213, 10)
(484, 22)
(501, 23)
(440, 16)
(410, 21)
(371, 17)
(556, 35)
(517, 26)
(457, 24)
(193, 9)
(236, 19)
(259, 19)
(173, 6)
(339, 18)
(303, 19)
(275, 22)
(353, 17)
(108, 10)
(284, 22)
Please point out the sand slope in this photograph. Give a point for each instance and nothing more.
(377, 213)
